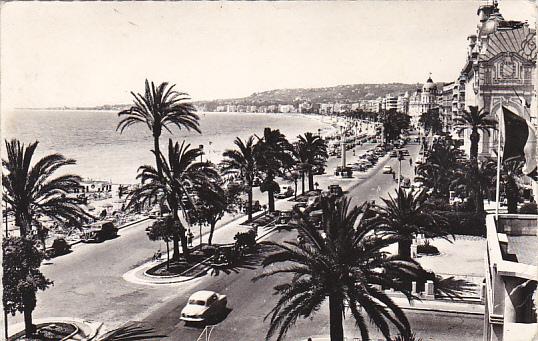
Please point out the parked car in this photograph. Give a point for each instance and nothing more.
(59, 247)
(393, 153)
(204, 305)
(99, 232)
(336, 190)
(345, 172)
(285, 191)
(318, 170)
(387, 170)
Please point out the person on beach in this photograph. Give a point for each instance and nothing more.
(410, 162)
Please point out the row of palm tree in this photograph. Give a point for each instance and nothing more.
(270, 156)
(178, 176)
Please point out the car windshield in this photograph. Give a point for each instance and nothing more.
(197, 302)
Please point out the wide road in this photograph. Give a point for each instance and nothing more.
(88, 285)
(249, 301)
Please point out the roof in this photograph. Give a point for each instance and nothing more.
(202, 295)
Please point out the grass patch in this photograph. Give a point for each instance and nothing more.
(47, 332)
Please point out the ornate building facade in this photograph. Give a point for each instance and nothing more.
(499, 70)
(423, 100)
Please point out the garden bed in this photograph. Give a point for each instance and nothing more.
(179, 268)
(48, 332)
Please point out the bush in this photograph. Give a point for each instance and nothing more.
(427, 249)
(529, 208)
(245, 240)
(466, 223)
(59, 247)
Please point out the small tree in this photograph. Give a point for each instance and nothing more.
(163, 229)
(22, 278)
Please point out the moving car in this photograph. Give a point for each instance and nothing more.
(99, 232)
(285, 191)
(336, 190)
(204, 305)
(387, 170)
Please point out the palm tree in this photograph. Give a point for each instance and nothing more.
(348, 266)
(315, 149)
(300, 159)
(180, 172)
(159, 108)
(272, 157)
(407, 215)
(241, 162)
(30, 191)
(476, 120)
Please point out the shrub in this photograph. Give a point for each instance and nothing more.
(59, 247)
(245, 240)
(427, 249)
(529, 208)
(466, 223)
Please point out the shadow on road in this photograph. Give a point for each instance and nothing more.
(132, 331)
(248, 262)
(213, 321)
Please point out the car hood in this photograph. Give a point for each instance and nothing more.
(194, 309)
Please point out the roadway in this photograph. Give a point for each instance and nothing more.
(88, 285)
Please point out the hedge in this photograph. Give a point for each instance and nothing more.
(466, 223)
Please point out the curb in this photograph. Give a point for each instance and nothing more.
(119, 228)
(450, 311)
(89, 328)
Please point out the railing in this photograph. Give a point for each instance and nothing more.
(206, 333)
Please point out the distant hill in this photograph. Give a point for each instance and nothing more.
(340, 93)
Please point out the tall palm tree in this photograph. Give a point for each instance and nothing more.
(407, 215)
(31, 191)
(316, 154)
(180, 171)
(241, 162)
(159, 108)
(273, 155)
(476, 120)
(300, 159)
(348, 266)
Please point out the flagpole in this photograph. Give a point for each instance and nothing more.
(498, 182)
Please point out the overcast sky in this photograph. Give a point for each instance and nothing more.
(80, 53)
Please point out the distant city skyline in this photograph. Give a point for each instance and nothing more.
(90, 54)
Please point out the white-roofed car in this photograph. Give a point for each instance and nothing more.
(204, 305)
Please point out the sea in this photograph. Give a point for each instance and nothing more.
(102, 153)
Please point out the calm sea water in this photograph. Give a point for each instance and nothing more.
(90, 137)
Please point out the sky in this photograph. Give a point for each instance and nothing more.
(86, 54)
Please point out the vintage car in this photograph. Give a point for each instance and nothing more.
(204, 305)
(285, 191)
(99, 231)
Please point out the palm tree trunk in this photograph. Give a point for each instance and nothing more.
(249, 208)
(211, 230)
(271, 199)
(310, 180)
(29, 304)
(404, 248)
(157, 150)
(475, 138)
(302, 181)
(335, 317)
(167, 255)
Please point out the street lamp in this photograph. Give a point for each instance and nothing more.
(400, 158)
(319, 132)
(201, 147)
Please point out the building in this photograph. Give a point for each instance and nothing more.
(93, 186)
(422, 101)
(389, 102)
(445, 100)
(402, 105)
(511, 268)
(499, 70)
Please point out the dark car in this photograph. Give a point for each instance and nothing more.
(59, 247)
(99, 232)
(336, 190)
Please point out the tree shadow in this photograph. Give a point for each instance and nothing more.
(453, 288)
(249, 261)
(132, 331)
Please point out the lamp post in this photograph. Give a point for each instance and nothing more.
(201, 147)
(400, 158)
(343, 146)
(6, 334)
(319, 132)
